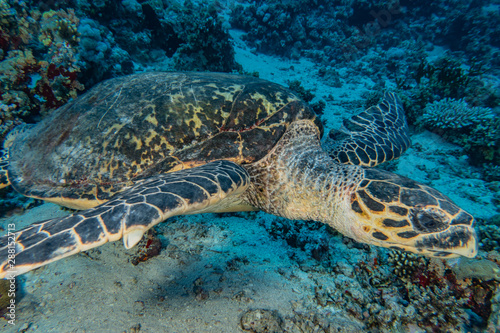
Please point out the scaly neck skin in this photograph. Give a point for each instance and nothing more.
(299, 181)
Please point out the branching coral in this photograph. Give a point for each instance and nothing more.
(477, 129)
(449, 77)
(454, 114)
(406, 264)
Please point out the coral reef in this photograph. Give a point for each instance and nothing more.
(406, 264)
(265, 321)
(438, 307)
(205, 43)
(152, 35)
(294, 28)
(335, 32)
(489, 230)
(449, 294)
(454, 114)
(494, 322)
(447, 77)
(100, 56)
(42, 52)
(461, 32)
(307, 95)
(298, 235)
(48, 54)
(376, 39)
(38, 62)
(51, 50)
(392, 290)
(477, 129)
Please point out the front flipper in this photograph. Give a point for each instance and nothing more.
(378, 134)
(209, 188)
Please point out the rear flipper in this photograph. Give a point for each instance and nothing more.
(4, 151)
(4, 164)
(212, 187)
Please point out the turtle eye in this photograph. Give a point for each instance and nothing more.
(429, 220)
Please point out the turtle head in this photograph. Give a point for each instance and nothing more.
(399, 213)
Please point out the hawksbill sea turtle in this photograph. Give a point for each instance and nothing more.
(136, 150)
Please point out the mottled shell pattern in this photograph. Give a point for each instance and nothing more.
(132, 127)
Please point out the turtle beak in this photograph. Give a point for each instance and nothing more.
(458, 240)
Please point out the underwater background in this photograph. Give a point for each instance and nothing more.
(253, 272)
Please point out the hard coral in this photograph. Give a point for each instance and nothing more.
(406, 264)
(205, 43)
(59, 27)
(474, 128)
(438, 307)
(479, 269)
(293, 28)
(489, 232)
(454, 114)
(450, 76)
(120, 37)
(441, 291)
(447, 77)
(30, 41)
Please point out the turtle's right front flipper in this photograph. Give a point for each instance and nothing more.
(209, 188)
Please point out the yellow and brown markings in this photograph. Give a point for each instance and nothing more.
(150, 123)
(213, 187)
(73, 203)
(402, 211)
(151, 118)
(107, 167)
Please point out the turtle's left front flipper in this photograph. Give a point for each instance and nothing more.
(209, 188)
